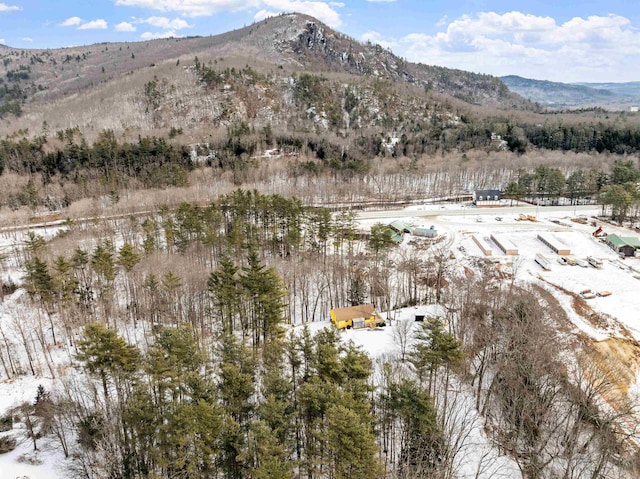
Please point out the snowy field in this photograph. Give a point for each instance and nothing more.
(617, 276)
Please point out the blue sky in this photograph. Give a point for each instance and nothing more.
(553, 40)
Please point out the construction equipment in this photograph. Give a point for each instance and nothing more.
(356, 317)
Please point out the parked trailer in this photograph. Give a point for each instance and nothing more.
(567, 260)
(505, 245)
(570, 260)
(483, 245)
(595, 262)
(554, 243)
(543, 261)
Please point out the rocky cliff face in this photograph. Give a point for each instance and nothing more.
(317, 47)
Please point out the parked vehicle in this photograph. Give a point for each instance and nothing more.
(595, 262)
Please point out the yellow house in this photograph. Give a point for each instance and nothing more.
(361, 316)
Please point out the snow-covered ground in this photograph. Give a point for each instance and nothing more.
(457, 224)
(477, 458)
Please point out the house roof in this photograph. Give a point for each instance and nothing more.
(620, 241)
(485, 193)
(360, 311)
(397, 237)
(401, 226)
(632, 241)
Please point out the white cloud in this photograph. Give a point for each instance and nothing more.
(125, 27)
(98, 24)
(26, 39)
(166, 23)
(2, 40)
(71, 22)
(376, 38)
(337, 4)
(9, 8)
(596, 48)
(322, 10)
(156, 35)
(194, 8)
(262, 14)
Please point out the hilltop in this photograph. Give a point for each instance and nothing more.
(110, 77)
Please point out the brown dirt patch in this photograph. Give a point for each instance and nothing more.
(618, 359)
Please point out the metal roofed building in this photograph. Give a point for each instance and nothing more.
(487, 197)
(627, 245)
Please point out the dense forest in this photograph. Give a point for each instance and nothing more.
(151, 162)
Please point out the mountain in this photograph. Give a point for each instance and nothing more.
(550, 94)
(114, 73)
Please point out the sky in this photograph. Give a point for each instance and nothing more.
(558, 40)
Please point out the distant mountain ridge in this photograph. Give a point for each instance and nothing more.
(616, 96)
(631, 89)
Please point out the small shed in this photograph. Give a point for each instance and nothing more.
(425, 232)
(426, 312)
(487, 197)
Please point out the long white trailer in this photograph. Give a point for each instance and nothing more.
(543, 261)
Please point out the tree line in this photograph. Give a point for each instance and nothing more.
(152, 161)
(617, 189)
